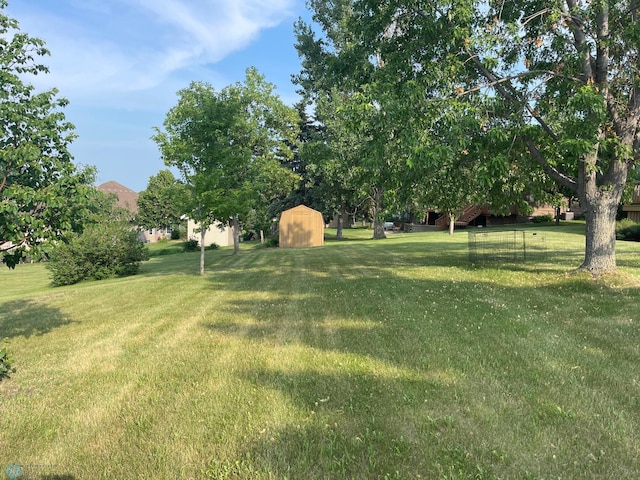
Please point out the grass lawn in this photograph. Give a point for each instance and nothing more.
(362, 359)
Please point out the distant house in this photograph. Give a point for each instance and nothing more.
(219, 234)
(300, 227)
(476, 215)
(633, 209)
(127, 198)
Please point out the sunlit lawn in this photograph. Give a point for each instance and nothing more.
(360, 359)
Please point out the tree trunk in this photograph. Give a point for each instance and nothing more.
(378, 225)
(203, 232)
(340, 226)
(452, 222)
(600, 239)
(236, 235)
(600, 196)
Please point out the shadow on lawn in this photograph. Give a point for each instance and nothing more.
(410, 356)
(25, 318)
(353, 429)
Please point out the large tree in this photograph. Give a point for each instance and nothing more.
(564, 71)
(161, 204)
(339, 77)
(230, 146)
(333, 159)
(42, 193)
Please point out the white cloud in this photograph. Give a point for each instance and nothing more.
(100, 53)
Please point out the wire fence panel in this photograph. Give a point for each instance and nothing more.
(539, 248)
(505, 246)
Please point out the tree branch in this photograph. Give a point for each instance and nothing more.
(508, 92)
(13, 245)
(518, 76)
(602, 49)
(550, 170)
(535, 15)
(576, 24)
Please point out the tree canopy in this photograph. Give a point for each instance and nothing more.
(360, 134)
(42, 193)
(230, 147)
(162, 203)
(551, 84)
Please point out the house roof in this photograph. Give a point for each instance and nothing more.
(127, 198)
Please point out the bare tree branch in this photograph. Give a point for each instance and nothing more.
(517, 76)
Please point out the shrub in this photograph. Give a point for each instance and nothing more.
(191, 246)
(213, 246)
(6, 363)
(542, 218)
(624, 224)
(628, 230)
(272, 242)
(102, 251)
(175, 234)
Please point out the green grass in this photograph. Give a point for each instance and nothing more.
(361, 359)
(166, 247)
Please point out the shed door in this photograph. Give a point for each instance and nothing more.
(300, 230)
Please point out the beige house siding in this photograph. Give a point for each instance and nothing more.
(153, 235)
(219, 234)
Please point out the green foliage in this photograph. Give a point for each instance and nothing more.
(162, 203)
(42, 193)
(230, 147)
(101, 251)
(159, 249)
(272, 242)
(191, 246)
(542, 218)
(213, 246)
(491, 99)
(6, 364)
(628, 230)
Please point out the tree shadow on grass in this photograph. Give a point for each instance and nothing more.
(408, 362)
(26, 318)
(353, 424)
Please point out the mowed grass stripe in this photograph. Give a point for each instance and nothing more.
(361, 359)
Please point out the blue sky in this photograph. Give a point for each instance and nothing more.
(121, 62)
